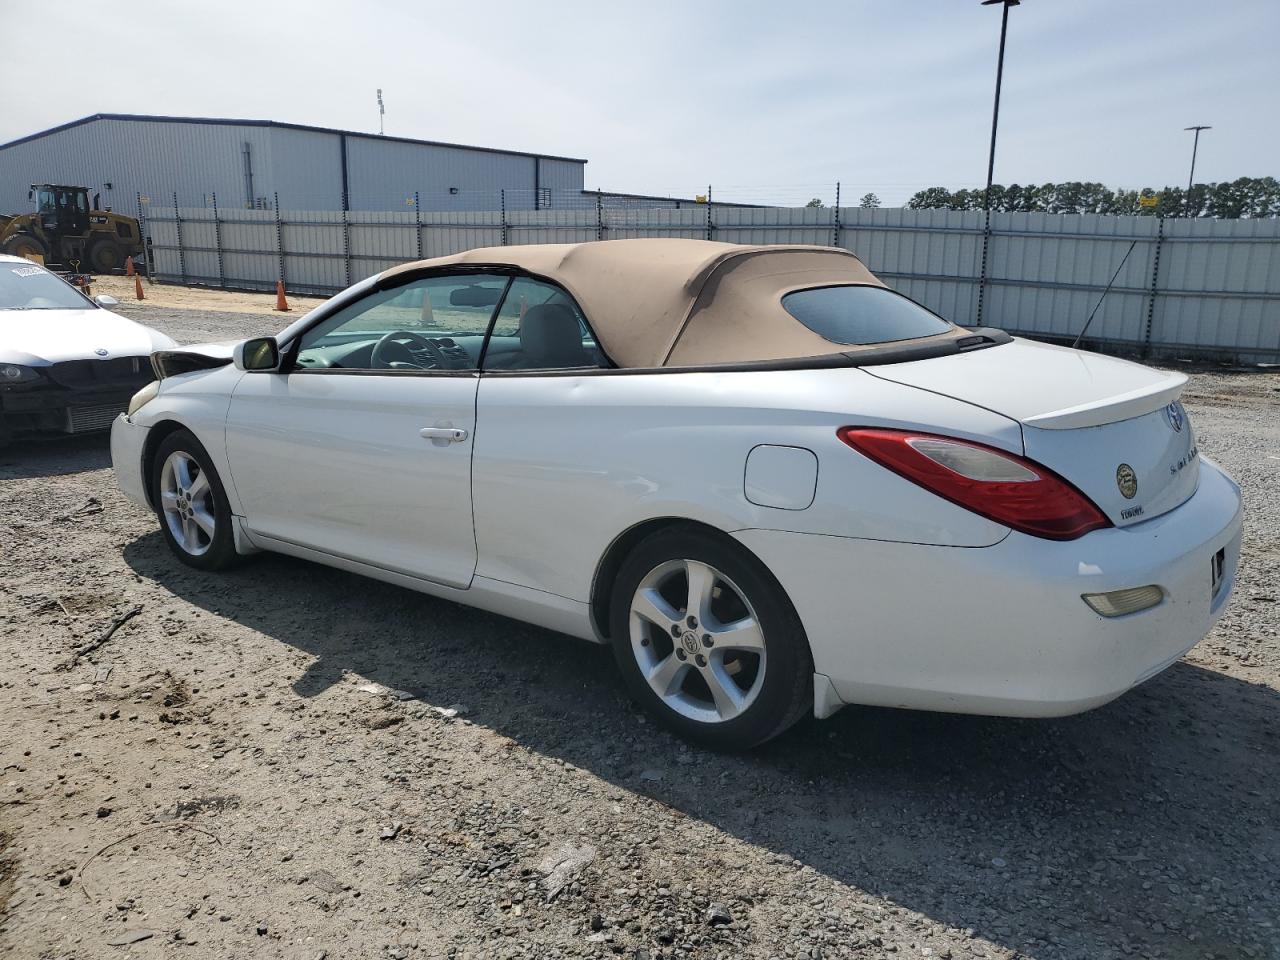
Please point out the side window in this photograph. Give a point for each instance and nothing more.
(434, 323)
(540, 327)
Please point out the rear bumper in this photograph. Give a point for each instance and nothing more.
(1003, 630)
(127, 442)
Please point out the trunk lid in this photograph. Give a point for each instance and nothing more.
(1115, 429)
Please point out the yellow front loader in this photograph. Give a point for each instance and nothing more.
(65, 230)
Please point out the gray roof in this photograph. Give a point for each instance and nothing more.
(225, 121)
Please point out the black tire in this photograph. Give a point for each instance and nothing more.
(220, 552)
(106, 256)
(785, 693)
(23, 245)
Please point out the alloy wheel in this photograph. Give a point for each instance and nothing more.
(697, 641)
(187, 501)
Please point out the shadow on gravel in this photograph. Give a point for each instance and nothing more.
(55, 456)
(1137, 824)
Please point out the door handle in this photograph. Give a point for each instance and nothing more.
(452, 434)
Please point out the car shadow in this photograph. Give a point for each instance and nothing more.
(57, 455)
(1040, 836)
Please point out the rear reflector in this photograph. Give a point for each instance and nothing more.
(1119, 602)
(1000, 486)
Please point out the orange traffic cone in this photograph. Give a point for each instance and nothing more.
(281, 303)
(128, 266)
(137, 287)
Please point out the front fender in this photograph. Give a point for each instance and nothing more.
(197, 402)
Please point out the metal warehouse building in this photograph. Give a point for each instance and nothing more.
(251, 163)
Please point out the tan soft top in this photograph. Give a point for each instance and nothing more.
(672, 302)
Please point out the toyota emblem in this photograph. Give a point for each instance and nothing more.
(100, 352)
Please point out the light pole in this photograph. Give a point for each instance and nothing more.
(995, 111)
(1195, 145)
(991, 157)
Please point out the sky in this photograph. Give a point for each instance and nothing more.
(765, 101)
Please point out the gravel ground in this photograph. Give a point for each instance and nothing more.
(290, 761)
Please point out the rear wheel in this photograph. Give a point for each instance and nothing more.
(25, 245)
(708, 642)
(106, 256)
(195, 516)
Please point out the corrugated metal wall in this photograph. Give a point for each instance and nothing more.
(151, 159)
(385, 174)
(156, 158)
(304, 168)
(1188, 288)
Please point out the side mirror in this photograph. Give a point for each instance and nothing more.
(261, 353)
(106, 300)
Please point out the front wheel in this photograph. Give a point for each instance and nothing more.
(195, 516)
(26, 246)
(106, 256)
(708, 642)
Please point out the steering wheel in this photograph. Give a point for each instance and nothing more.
(398, 349)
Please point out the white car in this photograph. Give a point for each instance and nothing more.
(67, 364)
(774, 485)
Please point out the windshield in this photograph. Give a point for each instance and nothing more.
(26, 286)
(858, 314)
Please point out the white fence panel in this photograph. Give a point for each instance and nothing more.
(812, 225)
(634, 223)
(553, 226)
(315, 255)
(1046, 273)
(1220, 284)
(1192, 288)
(378, 241)
(453, 232)
(930, 255)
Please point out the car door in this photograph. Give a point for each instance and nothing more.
(549, 435)
(362, 447)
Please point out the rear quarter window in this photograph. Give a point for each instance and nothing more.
(855, 314)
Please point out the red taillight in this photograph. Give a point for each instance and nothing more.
(1000, 486)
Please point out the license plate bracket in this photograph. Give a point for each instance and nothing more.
(1216, 567)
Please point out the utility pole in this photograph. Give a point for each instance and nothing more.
(995, 111)
(1195, 145)
(991, 156)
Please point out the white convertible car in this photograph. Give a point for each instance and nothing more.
(771, 483)
(67, 364)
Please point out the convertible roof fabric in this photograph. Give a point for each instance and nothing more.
(672, 302)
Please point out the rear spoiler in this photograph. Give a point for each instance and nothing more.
(171, 363)
(1135, 403)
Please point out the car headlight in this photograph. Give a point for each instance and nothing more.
(143, 396)
(17, 373)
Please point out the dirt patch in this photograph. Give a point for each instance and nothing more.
(288, 760)
(8, 871)
(167, 296)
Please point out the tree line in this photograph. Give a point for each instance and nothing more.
(1246, 197)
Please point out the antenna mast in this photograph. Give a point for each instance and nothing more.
(382, 112)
